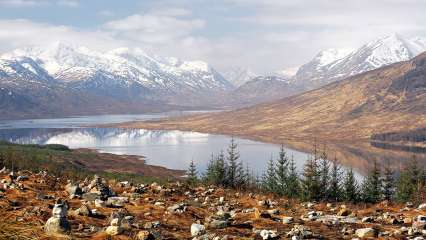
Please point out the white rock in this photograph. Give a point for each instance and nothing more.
(365, 232)
(197, 229)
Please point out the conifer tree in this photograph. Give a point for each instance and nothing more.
(372, 186)
(281, 172)
(350, 187)
(269, 182)
(293, 184)
(234, 167)
(324, 171)
(310, 181)
(388, 182)
(405, 188)
(192, 177)
(335, 189)
(220, 169)
(209, 174)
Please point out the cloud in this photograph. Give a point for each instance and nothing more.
(21, 3)
(265, 35)
(22, 32)
(159, 27)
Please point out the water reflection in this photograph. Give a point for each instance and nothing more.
(172, 149)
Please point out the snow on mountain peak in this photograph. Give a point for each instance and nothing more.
(328, 56)
(123, 66)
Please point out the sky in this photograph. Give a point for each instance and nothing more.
(262, 35)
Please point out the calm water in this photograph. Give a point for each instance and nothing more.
(172, 149)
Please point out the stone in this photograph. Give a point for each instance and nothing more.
(144, 235)
(422, 206)
(218, 224)
(84, 210)
(268, 234)
(99, 203)
(73, 190)
(288, 220)
(344, 212)
(22, 178)
(177, 208)
(113, 230)
(197, 229)
(367, 220)
(117, 201)
(91, 196)
(58, 223)
(366, 232)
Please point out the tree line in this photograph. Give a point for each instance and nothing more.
(321, 179)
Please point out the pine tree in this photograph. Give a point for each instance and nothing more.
(405, 188)
(269, 182)
(192, 178)
(293, 184)
(324, 172)
(281, 173)
(220, 169)
(409, 183)
(209, 174)
(350, 187)
(310, 181)
(234, 167)
(388, 183)
(335, 190)
(372, 186)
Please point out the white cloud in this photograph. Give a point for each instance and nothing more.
(159, 27)
(21, 3)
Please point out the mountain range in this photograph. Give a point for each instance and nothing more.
(59, 79)
(389, 99)
(336, 64)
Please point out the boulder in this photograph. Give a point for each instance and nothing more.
(91, 196)
(422, 206)
(217, 224)
(366, 233)
(268, 234)
(144, 235)
(288, 220)
(117, 201)
(197, 229)
(58, 223)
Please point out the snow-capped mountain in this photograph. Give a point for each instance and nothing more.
(238, 75)
(331, 65)
(81, 68)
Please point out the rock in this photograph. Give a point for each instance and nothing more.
(288, 220)
(84, 210)
(273, 211)
(344, 212)
(117, 201)
(144, 235)
(177, 208)
(99, 203)
(197, 229)
(367, 219)
(218, 224)
(261, 214)
(150, 225)
(422, 206)
(73, 190)
(268, 234)
(113, 230)
(22, 178)
(91, 196)
(58, 223)
(221, 200)
(366, 232)
(300, 232)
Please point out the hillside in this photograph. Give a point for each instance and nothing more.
(391, 98)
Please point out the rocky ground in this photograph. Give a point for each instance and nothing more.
(41, 206)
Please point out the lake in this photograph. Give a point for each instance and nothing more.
(175, 149)
(171, 149)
